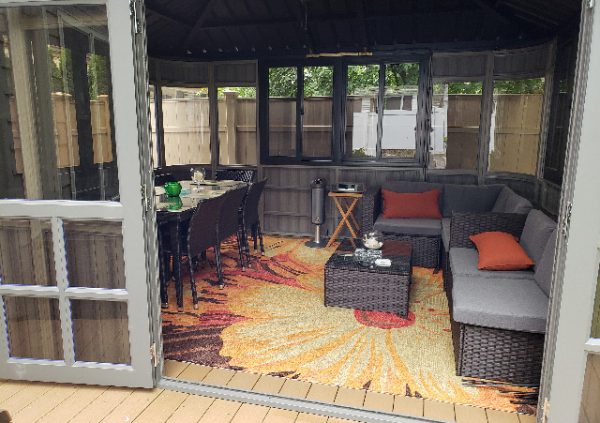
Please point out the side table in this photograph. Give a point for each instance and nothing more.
(346, 203)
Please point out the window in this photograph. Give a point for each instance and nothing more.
(152, 119)
(301, 112)
(237, 125)
(397, 119)
(516, 125)
(455, 119)
(317, 112)
(362, 94)
(186, 125)
(283, 90)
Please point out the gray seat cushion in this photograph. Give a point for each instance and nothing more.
(543, 271)
(463, 262)
(446, 232)
(512, 304)
(510, 202)
(536, 233)
(424, 227)
(469, 198)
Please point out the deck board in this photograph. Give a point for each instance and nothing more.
(191, 409)
(66, 410)
(100, 407)
(162, 408)
(46, 403)
(132, 406)
(250, 413)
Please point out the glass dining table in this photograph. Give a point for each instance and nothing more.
(172, 216)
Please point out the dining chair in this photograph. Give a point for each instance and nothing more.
(229, 223)
(244, 175)
(250, 217)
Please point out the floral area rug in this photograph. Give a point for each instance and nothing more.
(270, 319)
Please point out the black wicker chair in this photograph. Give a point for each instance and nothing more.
(244, 175)
(229, 223)
(250, 219)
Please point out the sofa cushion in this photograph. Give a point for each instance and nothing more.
(536, 233)
(412, 204)
(446, 232)
(410, 186)
(510, 202)
(463, 262)
(424, 227)
(543, 271)
(469, 198)
(500, 251)
(512, 304)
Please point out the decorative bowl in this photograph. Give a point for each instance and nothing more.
(174, 203)
(372, 244)
(173, 189)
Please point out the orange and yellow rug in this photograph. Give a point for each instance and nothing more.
(270, 319)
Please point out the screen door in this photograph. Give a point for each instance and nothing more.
(73, 261)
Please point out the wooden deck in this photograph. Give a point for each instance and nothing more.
(418, 407)
(49, 402)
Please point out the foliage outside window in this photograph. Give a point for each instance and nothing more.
(186, 125)
(237, 125)
(455, 120)
(387, 132)
(516, 126)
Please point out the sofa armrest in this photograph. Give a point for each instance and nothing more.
(370, 209)
(463, 225)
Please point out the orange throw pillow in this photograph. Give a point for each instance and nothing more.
(412, 204)
(500, 251)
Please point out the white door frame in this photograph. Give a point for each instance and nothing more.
(131, 211)
(578, 248)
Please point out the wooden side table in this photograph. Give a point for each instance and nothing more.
(346, 203)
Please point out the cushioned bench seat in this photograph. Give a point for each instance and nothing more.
(464, 263)
(501, 303)
(421, 227)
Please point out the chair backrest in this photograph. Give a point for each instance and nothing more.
(252, 200)
(204, 224)
(244, 175)
(229, 220)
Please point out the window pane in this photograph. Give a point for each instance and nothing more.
(57, 138)
(33, 328)
(455, 118)
(517, 121)
(362, 89)
(283, 88)
(26, 252)
(237, 125)
(152, 119)
(100, 331)
(95, 254)
(317, 120)
(186, 125)
(400, 111)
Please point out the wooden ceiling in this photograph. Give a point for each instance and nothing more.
(243, 29)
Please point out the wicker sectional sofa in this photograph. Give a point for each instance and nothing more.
(498, 318)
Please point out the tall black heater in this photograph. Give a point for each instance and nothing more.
(317, 214)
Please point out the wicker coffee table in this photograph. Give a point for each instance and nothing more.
(351, 284)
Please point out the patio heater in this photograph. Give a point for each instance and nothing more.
(317, 214)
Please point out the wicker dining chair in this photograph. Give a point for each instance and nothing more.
(244, 175)
(229, 225)
(251, 219)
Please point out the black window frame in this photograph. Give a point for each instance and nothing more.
(340, 68)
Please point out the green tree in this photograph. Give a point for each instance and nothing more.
(98, 75)
(520, 86)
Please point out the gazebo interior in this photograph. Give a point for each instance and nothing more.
(455, 92)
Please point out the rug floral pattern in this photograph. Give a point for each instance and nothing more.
(270, 319)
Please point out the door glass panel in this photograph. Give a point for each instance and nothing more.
(283, 89)
(317, 117)
(186, 125)
(596, 320)
(516, 126)
(455, 117)
(400, 111)
(57, 140)
(33, 327)
(237, 125)
(100, 331)
(26, 252)
(361, 111)
(95, 254)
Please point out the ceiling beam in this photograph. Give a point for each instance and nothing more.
(200, 20)
(159, 12)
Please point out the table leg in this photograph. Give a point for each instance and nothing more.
(339, 227)
(176, 251)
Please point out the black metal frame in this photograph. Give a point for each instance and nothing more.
(340, 66)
